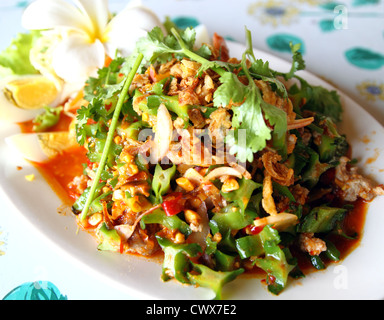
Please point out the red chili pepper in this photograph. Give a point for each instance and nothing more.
(108, 106)
(121, 246)
(271, 279)
(89, 163)
(256, 230)
(174, 205)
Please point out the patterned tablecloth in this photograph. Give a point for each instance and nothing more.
(342, 43)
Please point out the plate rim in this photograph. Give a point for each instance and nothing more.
(111, 281)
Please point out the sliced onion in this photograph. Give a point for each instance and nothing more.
(192, 175)
(163, 136)
(223, 171)
(279, 222)
(125, 230)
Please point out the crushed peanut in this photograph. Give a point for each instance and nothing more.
(229, 185)
(185, 184)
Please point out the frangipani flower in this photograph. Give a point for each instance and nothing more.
(87, 32)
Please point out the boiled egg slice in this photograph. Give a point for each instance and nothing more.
(22, 98)
(40, 147)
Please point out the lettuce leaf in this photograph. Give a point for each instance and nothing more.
(14, 60)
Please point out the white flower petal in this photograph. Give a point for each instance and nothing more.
(49, 14)
(128, 26)
(139, 16)
(122, 41)
(75, 59)
(98, 12)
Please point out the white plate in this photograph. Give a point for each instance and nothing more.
(359, 276)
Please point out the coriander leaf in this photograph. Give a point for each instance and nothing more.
(107, 84)
(48, 119)
(230, 91)
(93, 112)
(189, 37)
(324, 102)
(318, 99)
(297, 61)
(260, 69)
(156, 47)
(278, 119)
(248, 116)
(179, 43)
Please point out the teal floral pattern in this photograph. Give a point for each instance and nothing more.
(331, 15)
(281, 42)
(15, 5)
(39, 290)
(365, 58)
(185, 22)
(364, 2)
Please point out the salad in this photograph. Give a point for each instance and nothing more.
(223, 165)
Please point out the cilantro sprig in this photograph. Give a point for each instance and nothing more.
(252, 112)
(111, 132)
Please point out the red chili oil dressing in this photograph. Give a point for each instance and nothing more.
(60, 170)
(353, 224)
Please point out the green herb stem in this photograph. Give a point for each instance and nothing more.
(111, 134)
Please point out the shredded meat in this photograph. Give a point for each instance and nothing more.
(353, 184)
(206, 89)
(191, 88)
(142, 242)
(299, 193)
(79, 184)
(220, 120)
(314, 246)
(197, 118)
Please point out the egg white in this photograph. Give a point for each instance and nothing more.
(27, 146)
(34, 146)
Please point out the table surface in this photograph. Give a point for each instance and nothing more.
(341, 44)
